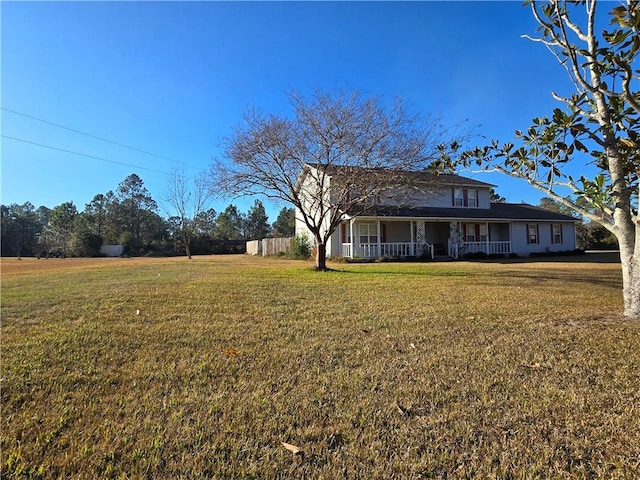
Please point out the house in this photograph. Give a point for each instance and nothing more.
(444, 215)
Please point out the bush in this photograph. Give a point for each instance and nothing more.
(338, 259)
(425, 256)
(475, 256)
(300, 247)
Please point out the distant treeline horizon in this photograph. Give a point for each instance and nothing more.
(129, 217)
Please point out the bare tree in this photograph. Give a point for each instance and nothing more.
(188, 198)
(599, 126)
(337, 153)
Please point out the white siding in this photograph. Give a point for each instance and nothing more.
(441, 197)
(520, 246)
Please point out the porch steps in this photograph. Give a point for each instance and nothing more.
(442, 258)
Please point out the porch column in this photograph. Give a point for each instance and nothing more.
(421, 234)
(352, 245)
(511, 237)
(488, 242)
(379, 239)
(413, 247)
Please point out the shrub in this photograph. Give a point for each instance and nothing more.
(425, 256)
(300, 247)
(338, 259)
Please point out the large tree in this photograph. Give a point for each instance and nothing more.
(97, 211)
(133, 200)
(230, 224)
(596, 130)
(257, 222)
(60, 230)
(188, 198)
(338, 134)
(285, 224)
(21, 226)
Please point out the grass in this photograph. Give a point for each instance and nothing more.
(169, 368)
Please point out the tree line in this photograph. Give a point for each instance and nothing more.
(129, 217)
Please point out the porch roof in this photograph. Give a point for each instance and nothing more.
(498, 211)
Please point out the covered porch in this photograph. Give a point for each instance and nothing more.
(374, 238)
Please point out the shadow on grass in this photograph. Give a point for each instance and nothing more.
(568, 277)
(422, 272)
(612, 256)
(546, 273)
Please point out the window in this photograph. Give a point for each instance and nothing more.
(458, 197)
(368, 233)
(472, 198)
(463, 197)
(532, 233)
(475, 232)
(556, 233)
(469, 232)
(483, 232)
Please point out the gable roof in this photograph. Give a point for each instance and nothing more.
(498, 211)
(411, 176)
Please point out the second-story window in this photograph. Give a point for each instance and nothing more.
(463, 197)
(458, 197)
(472, 198)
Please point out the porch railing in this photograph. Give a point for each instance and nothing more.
(400, 249)
(490, 248)
(487, 247)
(374, 250)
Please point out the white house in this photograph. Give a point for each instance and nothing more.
(446, 215)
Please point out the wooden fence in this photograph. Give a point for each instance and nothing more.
(269, 246)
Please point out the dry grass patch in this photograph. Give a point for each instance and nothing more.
(157, 368)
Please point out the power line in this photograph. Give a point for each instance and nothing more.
(95, 136)
(83, 154)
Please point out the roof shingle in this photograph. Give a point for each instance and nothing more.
(498, 211)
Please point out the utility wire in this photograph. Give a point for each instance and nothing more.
(83, 154)
(96, 137)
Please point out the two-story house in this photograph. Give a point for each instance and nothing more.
(445, 215)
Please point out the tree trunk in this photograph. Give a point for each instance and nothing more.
(631, 288)
(321, 256)
(187, 248)
(630, 277)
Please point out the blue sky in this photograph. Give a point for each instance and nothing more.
(173, 78)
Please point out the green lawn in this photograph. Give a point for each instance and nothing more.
(170, 368)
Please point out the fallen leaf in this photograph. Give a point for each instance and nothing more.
(401, 410)
(292, 448)
(533, 365)
(231, 351)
